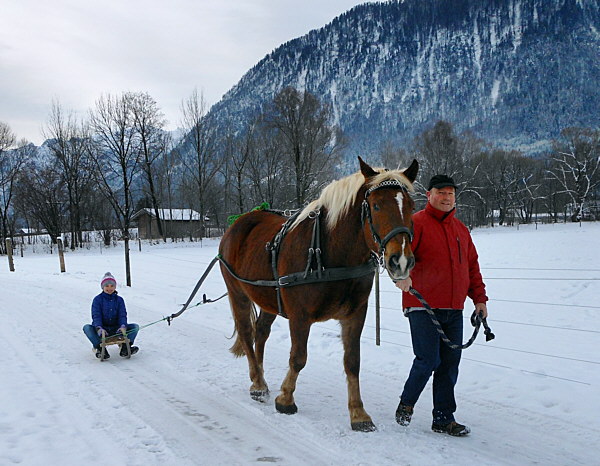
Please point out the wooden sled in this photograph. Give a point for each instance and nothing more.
(115, 340)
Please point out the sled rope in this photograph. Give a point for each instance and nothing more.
(476, 321)
(205, 300)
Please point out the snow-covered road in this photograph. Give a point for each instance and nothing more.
(530, 396)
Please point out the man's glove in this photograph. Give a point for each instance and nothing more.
(101, 332)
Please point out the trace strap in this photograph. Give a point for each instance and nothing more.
(476, 321)
(196, 288)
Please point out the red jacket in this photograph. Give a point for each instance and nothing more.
(446, 262)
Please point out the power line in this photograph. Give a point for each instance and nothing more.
(506, 322)
(534, 268)
(547, 326)
(502, 348)
(489, 347)
(523, 323)
(528, 372)
(543, 279)
(493, 364)
(519, 302)
(546, 304)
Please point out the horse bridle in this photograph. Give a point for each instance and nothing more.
(366, 213)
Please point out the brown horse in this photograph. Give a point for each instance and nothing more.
(365, 213)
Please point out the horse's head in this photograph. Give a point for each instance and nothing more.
(387, 217)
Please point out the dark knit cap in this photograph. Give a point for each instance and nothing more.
(441, 181)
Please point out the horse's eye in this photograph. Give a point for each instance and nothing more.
(375, 207)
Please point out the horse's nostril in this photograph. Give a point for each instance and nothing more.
(401, 261)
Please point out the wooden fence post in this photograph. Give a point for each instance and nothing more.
(9, 251)
(61, 255)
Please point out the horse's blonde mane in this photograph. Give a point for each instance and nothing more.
(339, 195)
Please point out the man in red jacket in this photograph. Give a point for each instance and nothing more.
(445, 273)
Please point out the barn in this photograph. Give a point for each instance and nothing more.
(177, 223)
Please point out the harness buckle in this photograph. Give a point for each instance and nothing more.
(281, 281)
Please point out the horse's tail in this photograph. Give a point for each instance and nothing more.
(238, 349)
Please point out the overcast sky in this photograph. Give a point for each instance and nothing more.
(73, 51)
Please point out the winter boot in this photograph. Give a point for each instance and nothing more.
(123, 352)
(99, 353)
(404, 414)
(453, 428)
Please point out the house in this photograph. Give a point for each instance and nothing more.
(177, 223)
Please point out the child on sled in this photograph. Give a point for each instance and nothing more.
(109, 317)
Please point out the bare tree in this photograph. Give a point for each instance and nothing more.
(311, 144)
(199, 153)
(265, 166)
(528, 172)
(167, 184)
(441, 150)
(116, 156)
(576, 163)
(68, 143)
(149, 123)
(11, 164)
(393, 156)
(7, 137)
(41, 193)
(239, 150)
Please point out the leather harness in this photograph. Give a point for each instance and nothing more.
(314, 271)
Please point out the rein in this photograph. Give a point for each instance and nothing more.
(476, 321)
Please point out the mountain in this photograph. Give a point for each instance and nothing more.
(515, 72)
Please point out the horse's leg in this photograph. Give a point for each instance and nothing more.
(299, 331)
(244, 315)
(263, 330)
(351, 331)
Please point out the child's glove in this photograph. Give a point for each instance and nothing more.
(101, 332)
(123, 329)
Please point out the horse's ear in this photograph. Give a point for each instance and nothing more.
(365, 169)
(411, 172)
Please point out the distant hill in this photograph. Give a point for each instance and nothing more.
(514, 71)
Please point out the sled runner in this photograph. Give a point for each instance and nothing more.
(115, 340)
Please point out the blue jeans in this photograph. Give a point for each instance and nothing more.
(433, 355)
(92, 334)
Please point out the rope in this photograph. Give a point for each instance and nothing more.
(205, 300)
(476, 321)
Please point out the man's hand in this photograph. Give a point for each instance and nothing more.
(405, 284)
(481, 308)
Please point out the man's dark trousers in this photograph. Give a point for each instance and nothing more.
(433, 355)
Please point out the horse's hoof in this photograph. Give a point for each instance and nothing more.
(259, 395)
(364, 426)
(286, 409)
